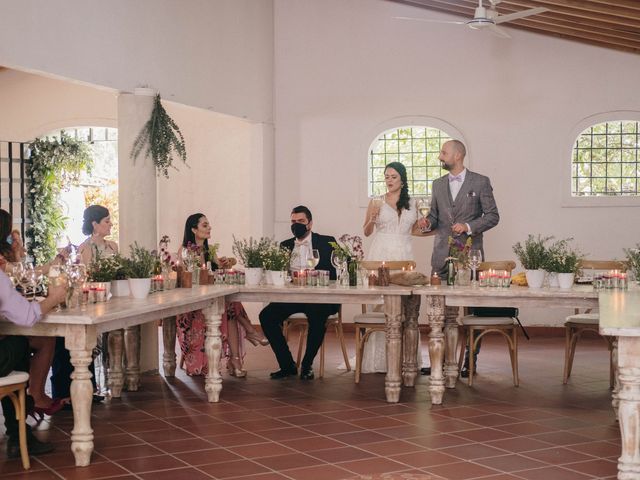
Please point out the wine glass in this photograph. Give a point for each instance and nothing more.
(313, 258)
(339, 262)
(475, 259)
(424, 206)
(376, 204)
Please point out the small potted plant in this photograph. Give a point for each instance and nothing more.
(251, 254)
(139, 268)
(276, 263)
(534, 257)
(120, 283)
(100, 272)
(564, 262)
(633, 261)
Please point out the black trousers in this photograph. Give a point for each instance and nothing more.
(14, 355)
(273, 315)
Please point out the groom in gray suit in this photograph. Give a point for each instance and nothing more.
(462, 206)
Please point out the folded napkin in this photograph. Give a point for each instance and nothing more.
(409, 278)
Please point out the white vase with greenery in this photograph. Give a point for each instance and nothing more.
(534, 256)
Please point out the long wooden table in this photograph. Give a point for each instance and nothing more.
(81, 326)
(443, 304)
(620, 317)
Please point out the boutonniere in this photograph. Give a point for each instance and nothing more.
(472, 194)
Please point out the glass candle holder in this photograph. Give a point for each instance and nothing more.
(323, 278)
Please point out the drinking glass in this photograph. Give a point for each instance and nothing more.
(339, 263)
(424, 206)
(313, 258)
(475, 259)
(376, 204)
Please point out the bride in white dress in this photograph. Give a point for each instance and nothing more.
(392, 219)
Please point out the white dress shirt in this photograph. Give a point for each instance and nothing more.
(301, 250)
(455, 183)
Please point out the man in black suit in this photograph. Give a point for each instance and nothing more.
(274, 314)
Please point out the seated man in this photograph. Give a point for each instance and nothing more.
(274, 314)
(14, 353)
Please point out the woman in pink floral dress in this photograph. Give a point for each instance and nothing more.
(191, 326)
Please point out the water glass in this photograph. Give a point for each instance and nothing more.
(312, 278)
(323, 278)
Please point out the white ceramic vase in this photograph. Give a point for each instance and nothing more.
(278, 277)
(120, 288)
(252, 276)
(535, 278)
(553, 279)
(140, 287)
(565, 280)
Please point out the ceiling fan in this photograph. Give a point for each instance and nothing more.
(486, 18)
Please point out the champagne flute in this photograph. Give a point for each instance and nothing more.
(424, 206)
(475, 259)
(376, 204)
(313, 258)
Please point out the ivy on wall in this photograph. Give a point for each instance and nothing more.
(55, 165)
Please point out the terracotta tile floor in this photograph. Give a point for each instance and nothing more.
(332, 429)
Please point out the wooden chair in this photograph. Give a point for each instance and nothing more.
(299, 321)
(14, 386)
(580, 322)
(475, 327)
(371, 321)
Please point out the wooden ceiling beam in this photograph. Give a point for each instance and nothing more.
(559, 6)
(624, 48)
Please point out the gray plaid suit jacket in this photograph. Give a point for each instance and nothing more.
(474, 205)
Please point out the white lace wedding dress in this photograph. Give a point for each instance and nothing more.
(391, 241)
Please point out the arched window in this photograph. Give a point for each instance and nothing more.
(605, 160)
(417, 148)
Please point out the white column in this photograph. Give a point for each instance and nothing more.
(137, 196)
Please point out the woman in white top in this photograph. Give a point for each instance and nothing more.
(96, 223)
(392, 219)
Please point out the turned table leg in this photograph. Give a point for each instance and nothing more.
(169, 344)
(393, 314)
(213, 347)
(451, 346)
(115, 377)
(629, 407)
(436, 317)
(80, 342)
(411, 339)
(132, 357)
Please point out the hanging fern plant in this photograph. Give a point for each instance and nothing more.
(160, 138)
(55, 165)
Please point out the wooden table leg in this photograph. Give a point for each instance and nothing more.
(451, 346)
(169, 344)
(80, 341)
(411, 338)
(213, 347)
(629, 407)
(132, 357)
(435, 316)
(393, 314)
(115, 378)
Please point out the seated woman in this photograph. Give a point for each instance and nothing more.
(191, 326)
(96, 224)
(12, 250)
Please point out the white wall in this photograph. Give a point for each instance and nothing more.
(343, 69)
(215, 55)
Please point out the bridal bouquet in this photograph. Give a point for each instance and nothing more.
(348, 247)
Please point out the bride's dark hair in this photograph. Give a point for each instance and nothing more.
(403, 201)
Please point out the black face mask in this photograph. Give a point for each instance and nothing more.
(299, 230)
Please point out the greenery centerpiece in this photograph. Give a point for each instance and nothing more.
(534, 257)
(140, 263)
(160, 138)
(106, 268)
(633, 260)
(252, 252)
(562, 258)
(277, 259)
(54, 165)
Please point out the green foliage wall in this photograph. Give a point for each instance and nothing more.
(54, 165)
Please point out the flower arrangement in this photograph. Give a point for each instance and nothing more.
(459, 251)
(277, 259)
(213, 251)
(633, 260)
(191, 256)
(534, 254)
(166, 260)
(562, 258)
(141, 263)
(252, 252)
(348, 247)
